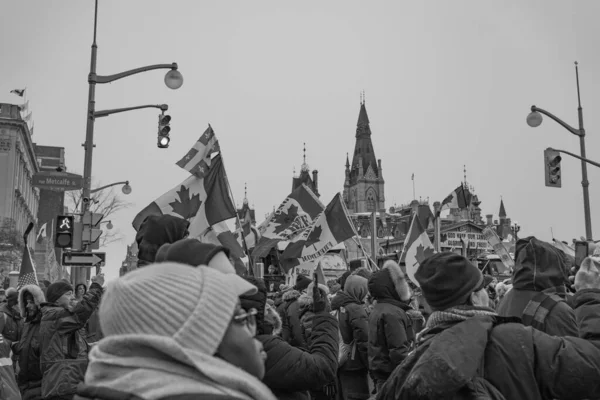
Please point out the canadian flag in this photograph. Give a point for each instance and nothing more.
(417, 248)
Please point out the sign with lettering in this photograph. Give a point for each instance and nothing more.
(473, 240)
(62, 181)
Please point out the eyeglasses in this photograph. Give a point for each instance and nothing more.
(247, 318)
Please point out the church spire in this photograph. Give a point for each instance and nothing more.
(347, 162)
(502, 213)
(245, 193)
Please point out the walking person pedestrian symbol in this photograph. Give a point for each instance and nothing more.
(65, 224)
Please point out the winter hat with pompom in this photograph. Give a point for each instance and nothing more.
(193, 306)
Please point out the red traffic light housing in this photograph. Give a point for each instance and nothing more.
(163, 131)
(552, 168)
(64, 231)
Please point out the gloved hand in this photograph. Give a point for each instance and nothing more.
(320, 301)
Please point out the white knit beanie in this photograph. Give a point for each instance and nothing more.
(194, 306)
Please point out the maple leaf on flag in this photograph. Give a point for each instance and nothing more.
(187, 207)
(314, 237)
(285, 219)
(423, 253)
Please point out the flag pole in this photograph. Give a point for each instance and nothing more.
(237, 218)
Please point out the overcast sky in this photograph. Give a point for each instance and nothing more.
(447, 84)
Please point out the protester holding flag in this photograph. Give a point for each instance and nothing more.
(291, 372)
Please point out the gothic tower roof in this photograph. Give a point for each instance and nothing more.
(363, 150)
(502, 213)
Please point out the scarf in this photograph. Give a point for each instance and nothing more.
(457, 314)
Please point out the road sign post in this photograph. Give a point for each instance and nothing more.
(80, 259)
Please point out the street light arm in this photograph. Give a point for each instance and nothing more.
(106, 113)
(93, 78)
(107, 186)
(576, 156)
(568, 127)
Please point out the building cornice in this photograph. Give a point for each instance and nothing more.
(27, 139)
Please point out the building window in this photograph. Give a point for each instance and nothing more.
(370, 202)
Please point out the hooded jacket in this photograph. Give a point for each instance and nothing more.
(28, 349)
(63, 349)
(539, 267)
(152, 367)
(353, 319)
(156, 231)
(390, 328)
(290, 316)
(519, 361)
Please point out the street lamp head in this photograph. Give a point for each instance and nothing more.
(173, 79)
(126, 189)
(109, 226)
(534, 119)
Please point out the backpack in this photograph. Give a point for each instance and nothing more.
(399, 383)
(538, 309)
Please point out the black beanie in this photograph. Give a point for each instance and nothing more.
(189, 251)
(56, 290)
(447, 280)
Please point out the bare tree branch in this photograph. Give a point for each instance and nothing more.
(11, 245)
(106, 202)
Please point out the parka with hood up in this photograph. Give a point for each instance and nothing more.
(63, 351)
(28, 349)
(390, 328)
(155, 231)
(539, 267)
(353, 319)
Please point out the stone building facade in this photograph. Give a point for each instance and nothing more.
(19, 200)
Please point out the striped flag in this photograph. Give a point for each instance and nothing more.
(27, 274)
(197, 161)
(202, 201)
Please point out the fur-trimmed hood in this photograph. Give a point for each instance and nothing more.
(390, 282)
(272, 321)
(38, 297)
(290, 295)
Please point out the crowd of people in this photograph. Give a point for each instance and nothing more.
(187, 325)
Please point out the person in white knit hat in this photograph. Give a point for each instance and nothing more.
(175, 332)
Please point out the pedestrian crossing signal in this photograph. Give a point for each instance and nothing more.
(163, 131)
(64, 231)
(553, 172)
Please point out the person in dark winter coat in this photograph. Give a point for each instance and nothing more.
(291, 372)
(29, 378)
(390, 328)
(467, 351)
(10, 320)
(290, 313)
(156, 231)
(540, 271)
(64, 352)
(353, 319)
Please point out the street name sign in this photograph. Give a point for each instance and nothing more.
(58, 180)
(83, 259)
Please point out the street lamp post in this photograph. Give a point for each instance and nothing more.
(173, 80)
(534, 119)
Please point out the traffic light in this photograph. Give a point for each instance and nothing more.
(64, 231)
(552, 161)
(163, 131)
(91, 232)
